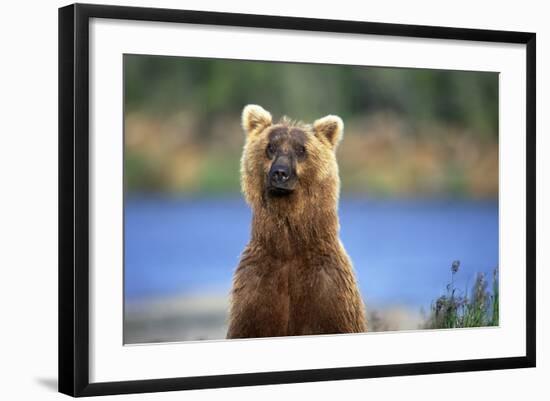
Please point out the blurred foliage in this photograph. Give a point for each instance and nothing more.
(436, 129)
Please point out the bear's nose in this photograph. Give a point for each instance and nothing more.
(280, 175)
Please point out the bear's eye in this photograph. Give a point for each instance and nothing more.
(301, 151)
(270, 151)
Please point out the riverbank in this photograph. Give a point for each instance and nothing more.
(204, 317)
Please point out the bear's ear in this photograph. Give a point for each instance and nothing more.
(255, 118)
(330, 128)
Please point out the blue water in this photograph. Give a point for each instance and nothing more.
(402, 250)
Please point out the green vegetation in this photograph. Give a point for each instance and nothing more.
(478, 309)
(409, 132)
(213, 87)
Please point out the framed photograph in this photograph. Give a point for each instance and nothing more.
(251, 199)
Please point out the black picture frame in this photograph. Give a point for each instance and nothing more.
(74, 198)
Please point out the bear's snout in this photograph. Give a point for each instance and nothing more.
(281, 177)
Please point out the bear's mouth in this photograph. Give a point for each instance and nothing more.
(278, 192)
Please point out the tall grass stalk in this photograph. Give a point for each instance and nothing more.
(478, 309)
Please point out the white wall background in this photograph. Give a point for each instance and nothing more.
(28, 199)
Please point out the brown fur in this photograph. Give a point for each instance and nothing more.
(294, 276)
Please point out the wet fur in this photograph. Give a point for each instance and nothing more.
(294, 276)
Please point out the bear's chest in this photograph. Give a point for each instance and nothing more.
(298, 293)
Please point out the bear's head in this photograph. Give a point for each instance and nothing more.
(290, 164)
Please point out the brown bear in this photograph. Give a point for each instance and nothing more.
(294, 276)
